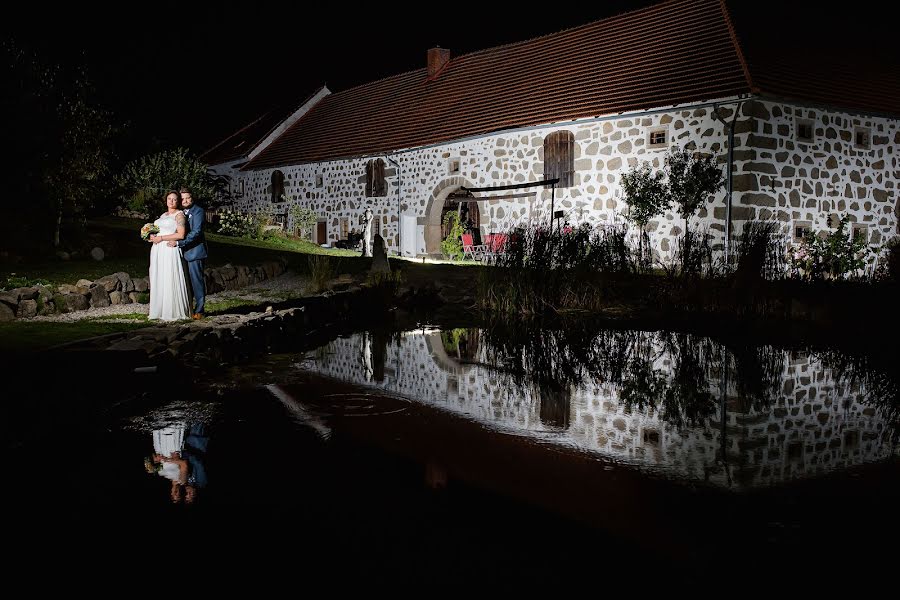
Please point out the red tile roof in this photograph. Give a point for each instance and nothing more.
(676, 52)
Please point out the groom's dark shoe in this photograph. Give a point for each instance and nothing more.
(197, 316)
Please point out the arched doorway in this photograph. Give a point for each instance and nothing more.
(465, 205)
(435, 211)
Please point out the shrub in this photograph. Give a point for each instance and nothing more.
(303, 219)
(452, 246)
(890, 262)
(761, 251)
(321, 271)
(238, 224)
(835, 255)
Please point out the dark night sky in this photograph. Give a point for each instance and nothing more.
(191, 76)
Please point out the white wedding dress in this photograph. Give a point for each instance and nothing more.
(168, 286)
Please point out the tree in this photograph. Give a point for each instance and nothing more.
(692, 178)
(78, 175)
(64, 140)
(646, 197)
(144, 181)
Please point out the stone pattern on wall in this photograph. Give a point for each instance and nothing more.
(810, 181)
(813, 427)
(779, 177)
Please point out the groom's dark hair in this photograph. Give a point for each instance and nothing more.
(186, 190)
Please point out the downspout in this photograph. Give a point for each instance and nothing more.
(729, 128)
(399, 189)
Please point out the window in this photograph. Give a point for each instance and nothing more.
(559, 158)
(862, 138)
(860, 231)
(805, 130)
(320, 180)
(375, 183)
(453, 166)
(802, 229)
(658, 138)
(278, 186)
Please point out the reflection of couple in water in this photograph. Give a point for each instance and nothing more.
(179, 452)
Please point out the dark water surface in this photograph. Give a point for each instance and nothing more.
(479, 453)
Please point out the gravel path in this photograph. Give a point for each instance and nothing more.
(286, 286)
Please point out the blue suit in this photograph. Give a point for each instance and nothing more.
(193, 249)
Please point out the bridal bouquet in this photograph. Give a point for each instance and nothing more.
(147, 230)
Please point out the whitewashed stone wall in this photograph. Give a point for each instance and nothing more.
(813, 427)
(778, 177)
(809, 180)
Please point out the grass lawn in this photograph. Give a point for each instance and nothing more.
(126, 252)
(29, 336)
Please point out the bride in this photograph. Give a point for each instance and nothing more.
(168, 287)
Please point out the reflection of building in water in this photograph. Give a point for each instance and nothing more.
(812, 426)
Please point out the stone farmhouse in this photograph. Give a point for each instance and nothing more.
(800, 144)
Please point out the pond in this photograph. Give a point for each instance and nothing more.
(477, 447)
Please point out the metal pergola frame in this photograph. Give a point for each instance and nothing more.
(521, 186)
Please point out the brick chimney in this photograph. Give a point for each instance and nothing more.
(437, 59)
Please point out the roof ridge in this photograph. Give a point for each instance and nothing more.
(737, 48)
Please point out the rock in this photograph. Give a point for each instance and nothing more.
(73, 302)
(67, 289)
(6, 313)
(84, 283)
(25, 293)
(141, 285)
(27, 309)
(125, 282)
(109, 283)
(125, 298)
(97, 253)
(115, 297)
(379, 256)
(99, 296)
(134, 297)
(63, 255)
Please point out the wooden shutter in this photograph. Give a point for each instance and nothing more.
(559, 157)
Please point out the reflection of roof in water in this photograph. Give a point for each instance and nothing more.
(812, 425)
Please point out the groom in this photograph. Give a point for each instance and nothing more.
(193, 248)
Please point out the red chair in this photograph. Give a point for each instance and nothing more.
(472, 250)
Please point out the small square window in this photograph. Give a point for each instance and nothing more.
(802, 229)
(806, 130)
(860, 231)
(320, 180)
(658, 138)
(862, 138)
(453, 166)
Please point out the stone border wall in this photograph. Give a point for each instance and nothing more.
(119, 288)
(231, 339)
